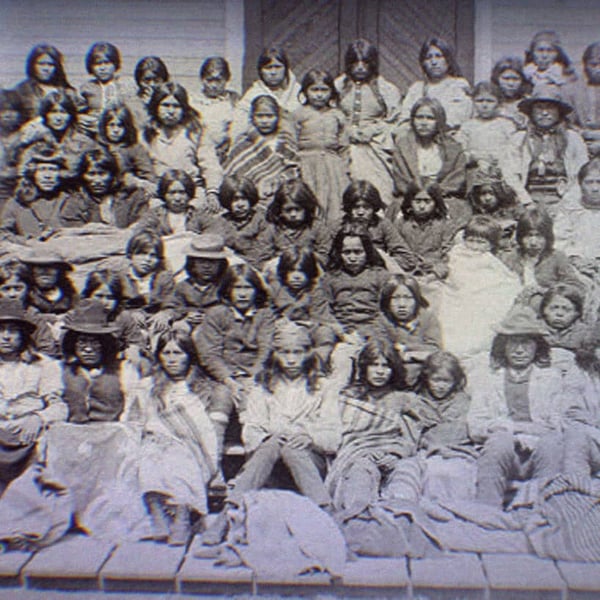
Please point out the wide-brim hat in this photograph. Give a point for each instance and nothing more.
(521, 321)
(545, 93)
(47, 258)
(12, 311)
(90, 317)
(206, 245)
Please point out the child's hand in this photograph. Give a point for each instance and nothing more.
(212, 204)
(298, 441)
(28, 428)
(236, 388)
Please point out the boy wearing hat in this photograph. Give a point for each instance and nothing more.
(516, 408)
(30, 392)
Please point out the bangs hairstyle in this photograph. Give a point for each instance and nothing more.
(511, 63)
(570, 292)
(484, 227)
(58, 98)
(171, 176)
(504, 194)
(300, 259)
(440, 210)
(488, 88)
(318, 76)
(190, 118)
(14, 268)
(442, 361)
(390, 287)
(535, 220)
(150, 64)
(102, 51)
(335, 262)
(362, 191)
(215, 66)
(96, 279)
(101, 160)
(183, 341)
(60, 78)
(235, 273)
(439, 114)
(498, 351)
(554, 39)
(234, 185)
(446, 49)
(592, 166)
(270, 54)
(372, 351)
(362, 50)
(146, 241)
(123, 115)
(109, 343)
(268, 101)
(298, 193)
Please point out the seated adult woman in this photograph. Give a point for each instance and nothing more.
(31, 392)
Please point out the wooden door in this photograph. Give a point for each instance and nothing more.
(317, 32)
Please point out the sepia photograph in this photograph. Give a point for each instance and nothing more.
(299, 298)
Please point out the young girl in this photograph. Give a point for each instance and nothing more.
(289, 418)
(102, 62)
(216, 103)
(117, 132)
(101, 197)
(486, 136)
(45, 74)
(176, 214)
(322, 141)
(377, 432)
(361, 204)
(243, 222)
(179, 447)
(546, 62)
(177, 140)
(150, 72)
(12, 116)
(443, 82)
(425, 155)
(293, 223)
(371, 105)
(265, 151)
(507, 75)
(276, 80)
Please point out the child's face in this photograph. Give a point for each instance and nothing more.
(105, 296)
(9, 119)
(169, 111)
(485, 105)
(354, 257)
(592, 69)
(425, 123)
(510, 82)
(422, 206)
(318, 94)
(560, 312)
(403, 305)
(291, 357)
(103, 69)
(97, 180)
(296, 280)
(545, 115)
(46, 177)
(273, 74)
(544, 54)
(88, 350)
(533, 243)
(144, 263)
(44, 68)
(57, 118)
(477, 243)
(204, 270)
(486, 199)
(520, 351)
(45, 277)
(440, 384)
(292, 214)
(590, 188)
(240, 206)
(360, 70)
(14, 289)
(115, 130)
(265, 119)
(11, 338)
(176, 198)
(435, 63)
(213, 85)
(362, 212)
(243, 295)
(150, 81)
(174, 360)
(378, 373)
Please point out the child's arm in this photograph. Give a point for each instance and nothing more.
(212, 172)
(255, 419)
(209, 340)
(139, 172)
(397, 247)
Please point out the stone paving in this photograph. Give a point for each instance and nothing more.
(81, 564)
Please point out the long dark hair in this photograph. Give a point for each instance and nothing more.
(243, 272)
(370, 352)
(298, 193)
(110, 349)
(511, 63)
(498, 351)
(335, 262)
(446, 50)
(387, 291)
(60, 78)
(111, 280)
(121, 113)
(539, 221)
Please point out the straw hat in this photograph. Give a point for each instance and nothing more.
(11, 310)
(545, 93)
(207, 245)
(90, 317)
(521, 320)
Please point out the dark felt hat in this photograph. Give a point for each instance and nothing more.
(521, 320)
(545, 93)
(89, 316)
(11, 310)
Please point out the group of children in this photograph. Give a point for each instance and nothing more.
(382, 289)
